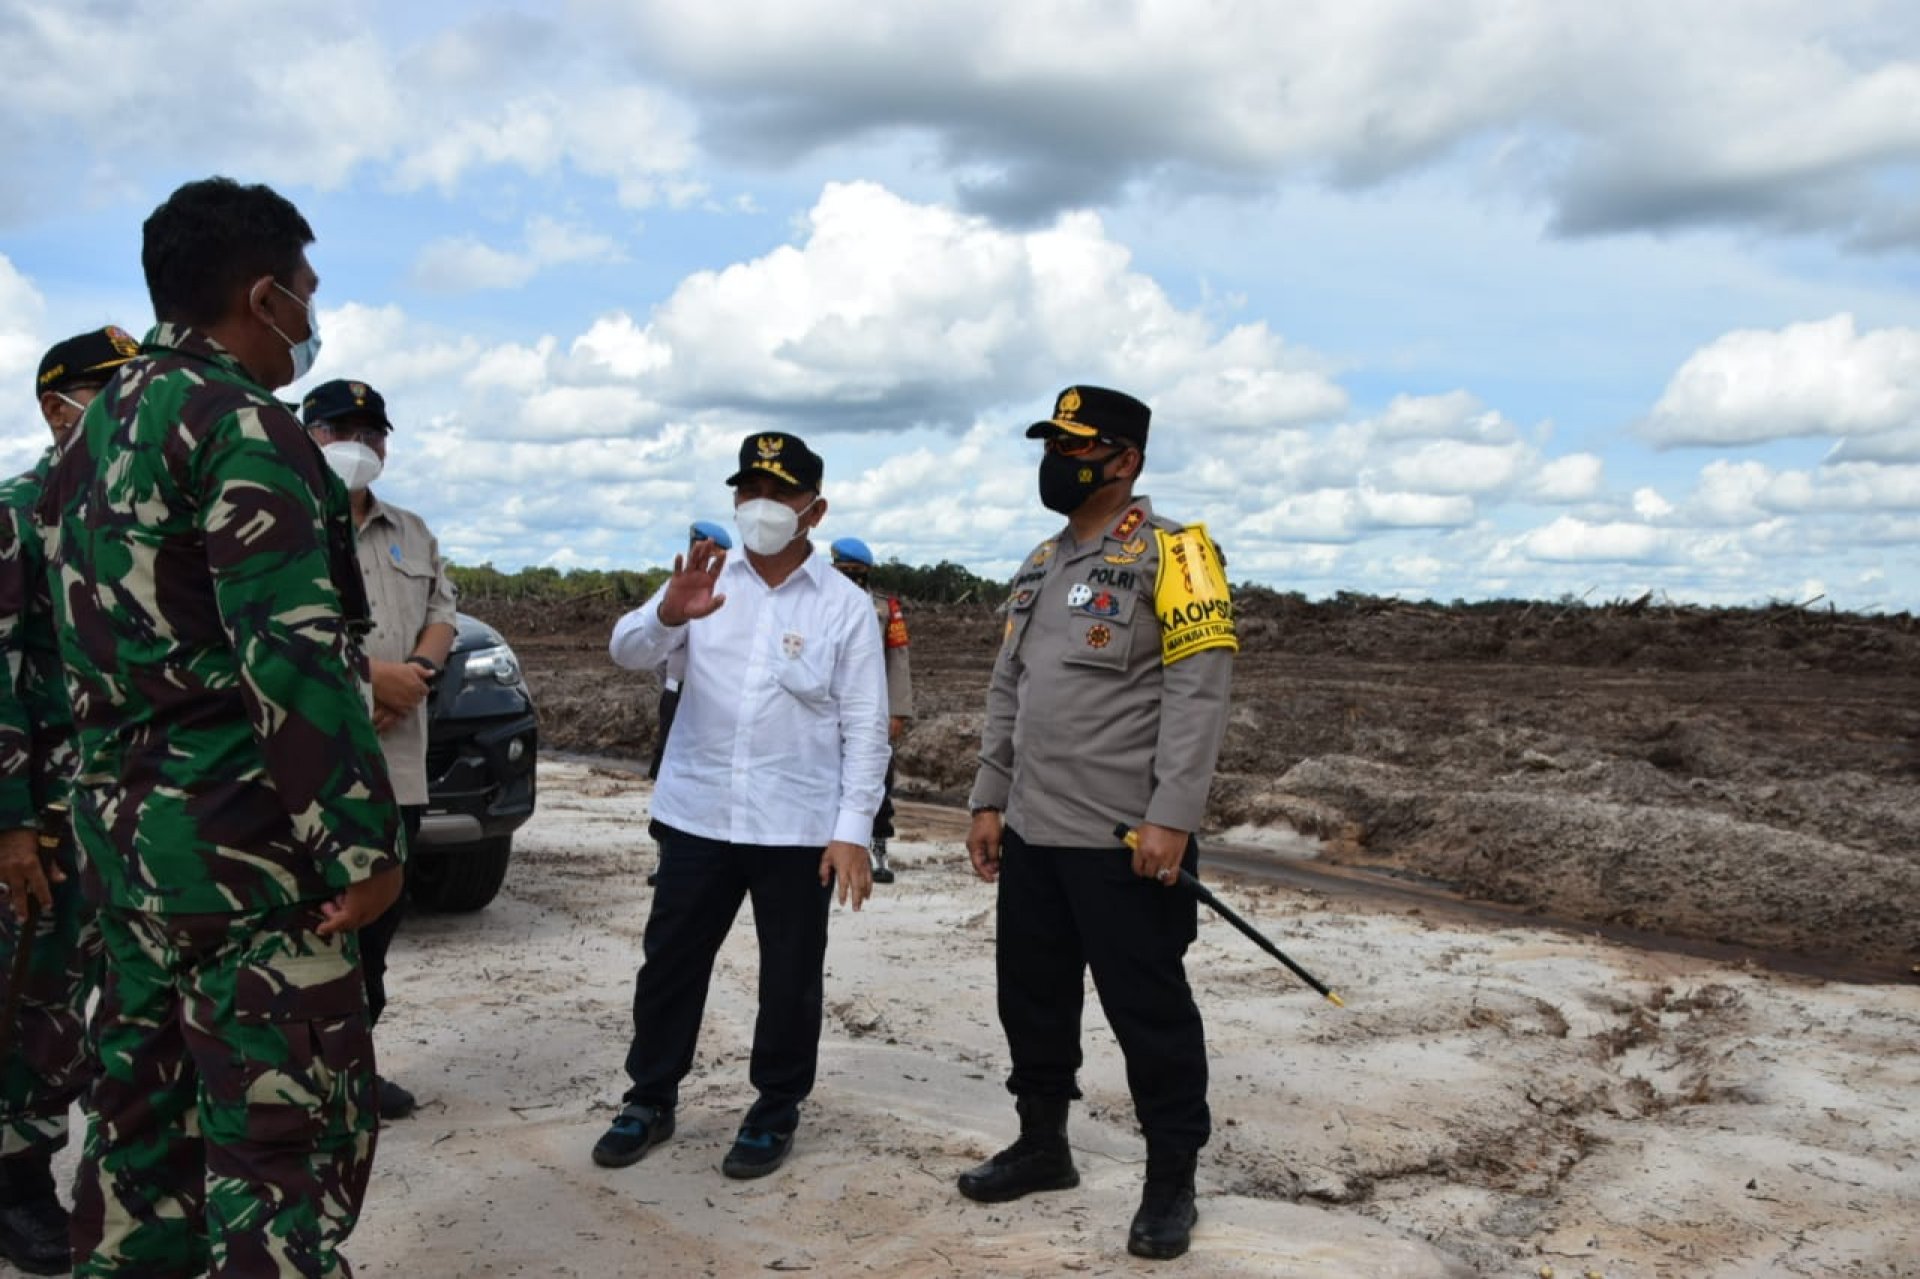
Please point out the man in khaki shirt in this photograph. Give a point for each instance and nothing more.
(413, 630)
(1107, 707)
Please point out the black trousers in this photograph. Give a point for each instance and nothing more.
(377, 936)
(702, 883)
(1062, 911)
(669, 706)
(883, 818)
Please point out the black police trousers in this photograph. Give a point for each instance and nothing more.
(702, 883)
(1063, 911)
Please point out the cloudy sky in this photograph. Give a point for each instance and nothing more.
(1463, 300)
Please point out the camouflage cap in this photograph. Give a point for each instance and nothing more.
(86, 359)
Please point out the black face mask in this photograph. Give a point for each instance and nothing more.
(1067, 482)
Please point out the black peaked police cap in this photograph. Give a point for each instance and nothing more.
(341, 398)
(1087, 411)
(85, 359)
(785, 457)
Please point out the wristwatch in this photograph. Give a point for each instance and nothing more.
(425, 663)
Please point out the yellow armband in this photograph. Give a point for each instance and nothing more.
(1190, 595)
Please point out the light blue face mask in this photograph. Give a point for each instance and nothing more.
(304, 353)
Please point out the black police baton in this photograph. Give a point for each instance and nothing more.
(1226, 912)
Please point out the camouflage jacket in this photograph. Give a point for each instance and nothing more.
(210, 613)
(36, 725)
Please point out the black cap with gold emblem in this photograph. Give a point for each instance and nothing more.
(785, 457)
(1094, 410)
(341, 398)
(88, 359)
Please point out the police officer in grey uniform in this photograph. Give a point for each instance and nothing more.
(1107, 706)
(854, 559)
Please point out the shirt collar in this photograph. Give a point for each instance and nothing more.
(184, 339)
(813, 568)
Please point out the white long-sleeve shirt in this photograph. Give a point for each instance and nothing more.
(781, 733)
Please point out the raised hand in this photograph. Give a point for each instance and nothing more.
(689, 592)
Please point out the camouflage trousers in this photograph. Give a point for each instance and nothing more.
(50, 1063)
(232, 1123)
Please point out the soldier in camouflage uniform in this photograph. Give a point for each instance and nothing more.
(47, 1065)
(232, 809)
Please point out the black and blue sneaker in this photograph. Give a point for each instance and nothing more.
(756, 1152)
(635, 1131)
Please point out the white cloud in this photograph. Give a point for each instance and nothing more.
(1573, 478)
(1618, 113)
(889, 313)
(1574, 541)
(1746, 492)
(22, 312)
(1446, 466)
(1453, 415)
(630, 135)
(1650, 506)
(1814, 379)
(347, 95)
(382, 346)
(463, 264)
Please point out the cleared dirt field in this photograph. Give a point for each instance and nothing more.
(1439, 811)
(1492, 1100)
(1741, 776)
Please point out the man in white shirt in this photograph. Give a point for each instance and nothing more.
(768, 788)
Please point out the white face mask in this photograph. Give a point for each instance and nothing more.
(80, 411)
(767, 527)
(305, 352)
(355, 464)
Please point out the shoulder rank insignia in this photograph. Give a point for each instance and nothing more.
(1128, 523)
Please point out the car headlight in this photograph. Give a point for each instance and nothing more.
(496, 661)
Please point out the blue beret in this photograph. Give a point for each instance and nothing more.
(852, 548)
(711, 532)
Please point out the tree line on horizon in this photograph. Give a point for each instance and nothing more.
(950, 583)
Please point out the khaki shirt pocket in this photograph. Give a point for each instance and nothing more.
(1100, 624)
(413, 580)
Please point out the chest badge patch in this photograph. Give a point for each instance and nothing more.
(1079, 595)
(1103, 604)
(791, 643)
(1099, 637)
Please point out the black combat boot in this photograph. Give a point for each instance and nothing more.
(1164, 1225)
(1039, 1160)
(33, 1225)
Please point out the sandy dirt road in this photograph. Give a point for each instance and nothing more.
(1494, 1099)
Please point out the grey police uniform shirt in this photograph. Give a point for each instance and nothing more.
(899, 669)
(408, 589)
(1086, 727)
